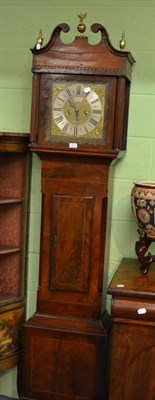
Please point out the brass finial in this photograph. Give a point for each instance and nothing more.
(81, 26)
(39, 42)
(122, 42)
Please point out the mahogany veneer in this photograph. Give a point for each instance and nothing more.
(133, 333)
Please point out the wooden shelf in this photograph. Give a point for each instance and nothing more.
(14, 142)
(9, 200)
(8, 298)
(9, 249)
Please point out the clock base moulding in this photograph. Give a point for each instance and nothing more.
(61, 355)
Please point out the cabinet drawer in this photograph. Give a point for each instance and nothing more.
(137, 309)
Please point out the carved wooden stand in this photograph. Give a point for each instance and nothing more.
(141, 248)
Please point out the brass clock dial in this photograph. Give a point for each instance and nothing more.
(78, 110)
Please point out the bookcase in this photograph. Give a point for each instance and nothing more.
(14, 194)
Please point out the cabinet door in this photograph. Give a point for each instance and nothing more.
(71, 247)
(132, 362)
(71, 239)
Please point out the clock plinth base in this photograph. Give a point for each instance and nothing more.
(59, 358)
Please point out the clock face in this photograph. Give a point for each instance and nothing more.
(78, 110)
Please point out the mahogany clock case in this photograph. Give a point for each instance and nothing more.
(72, 252)
(65, 341)
(76, 64)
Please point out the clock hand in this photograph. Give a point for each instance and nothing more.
(72, 104)
(77, 114)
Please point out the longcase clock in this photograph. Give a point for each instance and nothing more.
(80, 101)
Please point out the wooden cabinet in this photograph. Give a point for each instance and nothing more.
(13, 222)
(133, 333)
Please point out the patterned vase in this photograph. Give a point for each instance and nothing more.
(143, 206)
